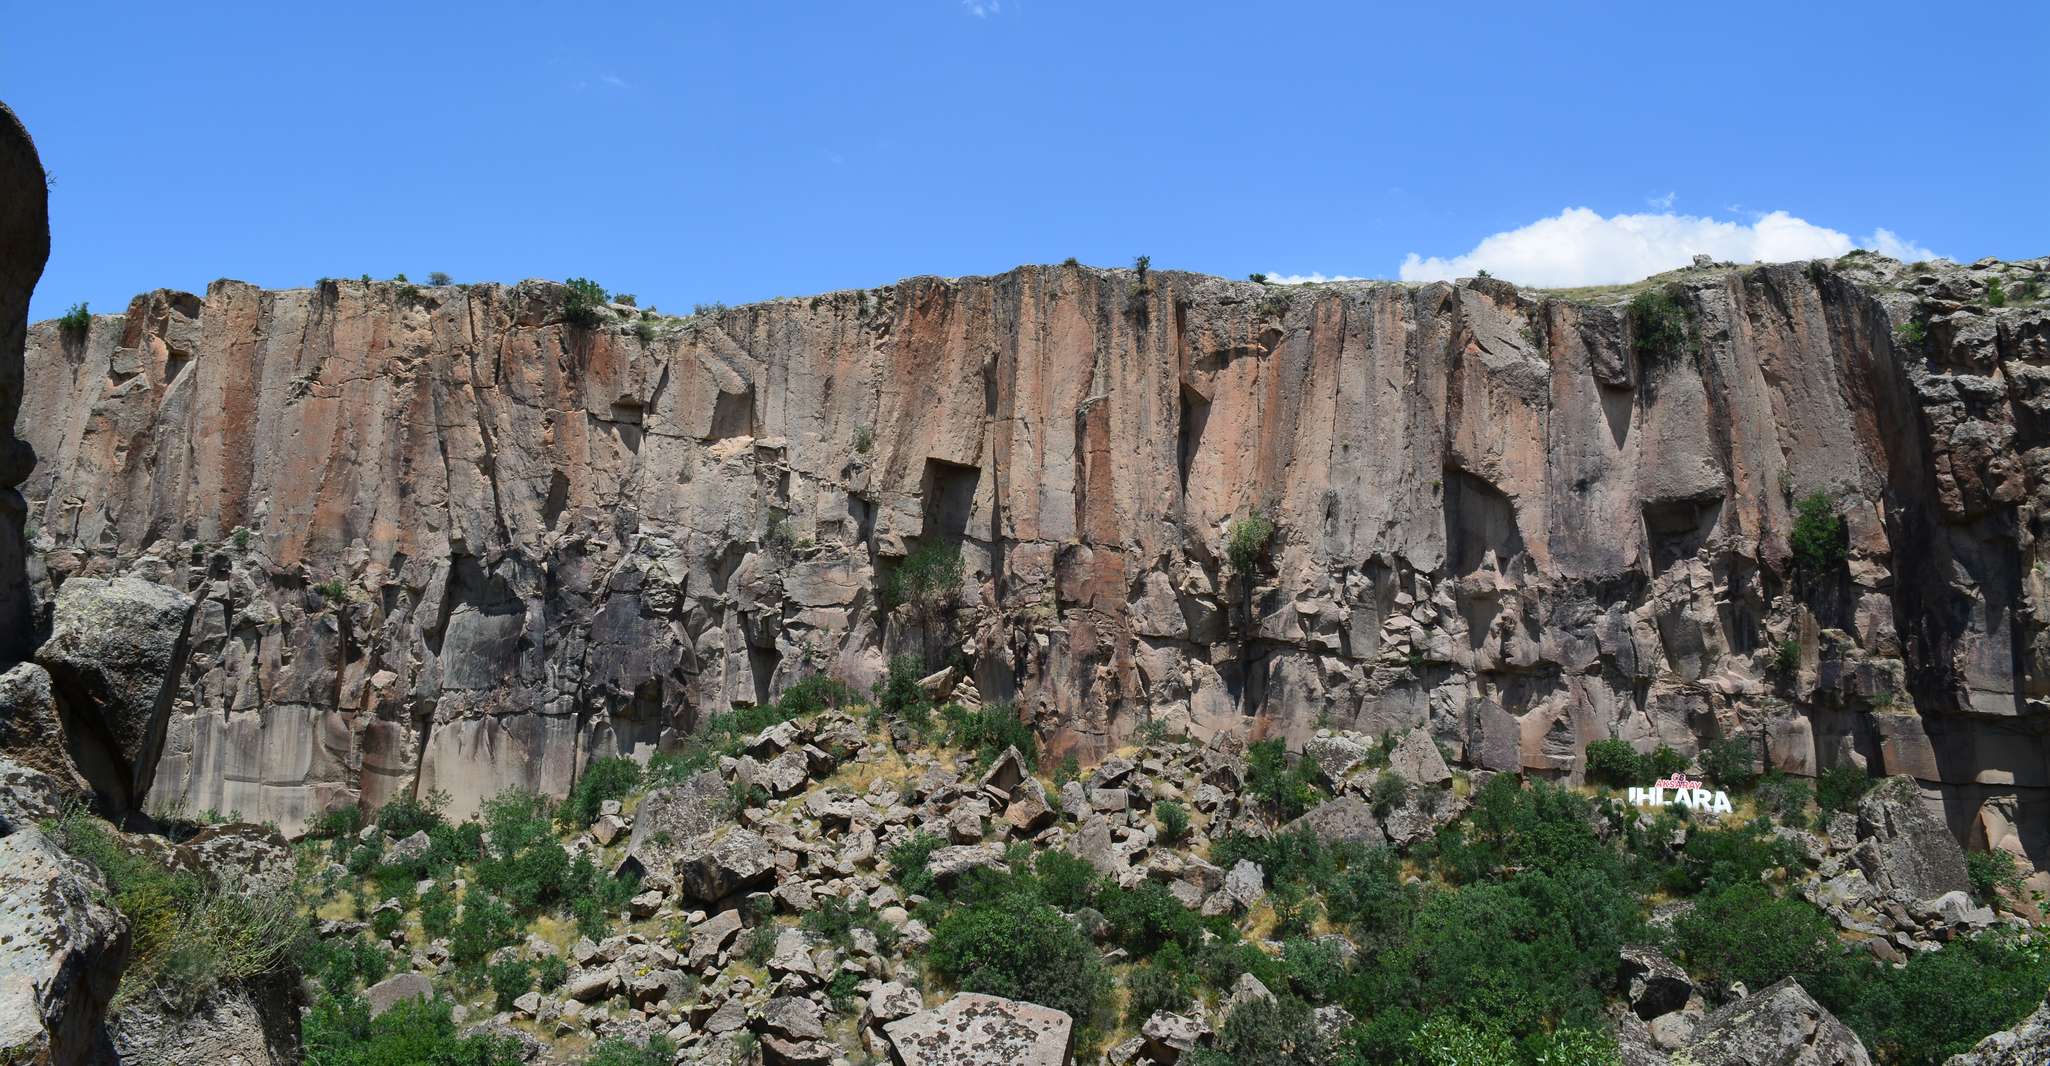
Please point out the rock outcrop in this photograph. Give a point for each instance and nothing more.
(445, 537)
(978, 1030)
(2027, 1044)
(1779, 1026)
(62, 950)
(25, 236)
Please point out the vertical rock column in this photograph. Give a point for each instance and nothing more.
(24, 247)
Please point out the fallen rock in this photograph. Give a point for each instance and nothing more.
(115, 650)
(978, 1030)
(1779, 1026)
(711, 868)
(2027, 1044)
(1652, 983)
(1905, 849)
(1347, 819)
(401, 986)
(62, 950)
(1417, 758)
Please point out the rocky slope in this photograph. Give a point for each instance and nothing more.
(442, 537)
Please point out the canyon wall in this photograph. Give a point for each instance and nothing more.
(24, 246)
(443, 538)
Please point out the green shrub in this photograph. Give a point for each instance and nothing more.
(1742, 932)
(188, 932)
(659, 1050)
(1144, 919)
(1315, 968)
(927, 581)
(485, 926)
(1064, 880)
(898, 697)
(1174, 821)
(384, 923)
(1161, 984)
(1020, 948)
(339, 1031)
(1788, 658)
(1730, 763)
(1257, 278)
(1841, 787)
(1285, 791)
(1817, 542)
(864, 439)
(1991, 871)
(406, 815)
(1617, 764)
(75, 324)
(510, 979)
(907, 859)
(1658, 326)
(1386, 793)
(1666, 761)
(552, 972)
(1445, 1041)
(989, 731)
(1995, 295)
(333, 590)
(437, 913)
(1246, 541)
(1372, 901)
(1265, 1032)
(1785, 798)
(604, 779)
(583, 303)
(1942, 1002)
(1573, 1046)
(1913, 332)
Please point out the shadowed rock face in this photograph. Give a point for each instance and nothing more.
(24, 246)
(484, 546)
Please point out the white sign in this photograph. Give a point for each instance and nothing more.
(1687, 793)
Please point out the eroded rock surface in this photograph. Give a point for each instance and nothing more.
(1778, 1026)
(62, 950)
(977, 1030)
(440, 538)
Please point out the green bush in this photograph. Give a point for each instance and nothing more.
(189, 932)
(1316, 968)
(437, 913)
(907, 860)
(1817, 542)
(485, 926)
(604, 779)
(927, 581)
(339, 1031)
(1785, 798)
(1161, 984)
(898, 697)
(1386, 793)
(659, 1050)
(1265, 1032)
(1658, 326)
(406, 815)
(1665, 761)
(1617, 764)
(1742, 932)
(1942, 1002)
(1285, 791)
(1731, 763)
(989, 731)
(510, 979)
(1174, 821)
(551, 973)
(75, 323)
(1991, 871)
(1841, 787)
(1246, 541)
(1020, 948)
(1147, 918)
(583, 303)
(1995, 295)
(1788, 658)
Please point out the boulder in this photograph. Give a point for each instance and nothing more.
(672, 818)
(1779, 1026)
(1652, 983)
(1169, 1036)
(1417, 758)
(977, 1030)
(1029, 810)
(1905, 849)
(252, 1023)
(250, 858)
(62, 950)
(711, 868)
(794, 1018)
(1336, 754)
(399, 986)
(1347, 819)
(32, 725)
(116, 648)
(712, 936)
(889, 1002)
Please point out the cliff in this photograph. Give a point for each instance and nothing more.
(445, 538)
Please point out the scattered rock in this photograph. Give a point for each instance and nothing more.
(979, 1030)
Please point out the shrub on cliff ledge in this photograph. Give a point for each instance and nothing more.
(927, 582)
(76, 323)
(1818, 538)
(1246, 541)
(583, 305)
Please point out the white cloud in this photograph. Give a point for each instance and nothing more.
(1581, 247)
(983, 9)
(1663, 203)
(613, 80)
(1310, 279)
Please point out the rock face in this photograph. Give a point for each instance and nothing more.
(1779, 1026)
(25, 234)
(977, 1030)
(1910, 855)
(115, 651)
(62, 950)
(480, 545)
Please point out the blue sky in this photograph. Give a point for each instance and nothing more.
(691, 153)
